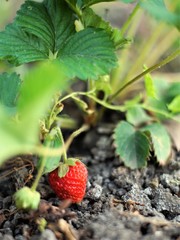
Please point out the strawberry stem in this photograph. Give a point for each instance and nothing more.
(64, 153)
(53, 152)
(129, 20)
(39, 174)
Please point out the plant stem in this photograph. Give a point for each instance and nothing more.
(154, 67)
(76, 133)
(46, 151)
(97, 100)
(64, 153)
(76, 10)
(129, 20)
(92, 103)
(39, 174)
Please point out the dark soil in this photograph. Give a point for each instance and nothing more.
(119, 203)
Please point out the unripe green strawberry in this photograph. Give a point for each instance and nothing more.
(26, 198)
(72, 186)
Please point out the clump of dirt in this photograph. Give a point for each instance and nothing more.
(119, 204)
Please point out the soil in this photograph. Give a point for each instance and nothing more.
(120, 204)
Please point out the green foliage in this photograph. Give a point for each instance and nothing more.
(10, 84)
(18, 47)
(174, 106)
(87, 58)
(11, 141)
(38, 88)
(157, 9)
(160, 141)
(131, 145)
(91, 2)
(52, 140)
(80, 4)
(165, 101)
(91, 19)
(172, 91)
(27, 40)
(149, 86)
(36, 93)
(127, 1)
(137, 116)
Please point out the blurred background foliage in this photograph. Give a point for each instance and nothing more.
(151, 39)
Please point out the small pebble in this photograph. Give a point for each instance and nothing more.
(19, 237)
(7, 237)
(47, 235)
(95, 192)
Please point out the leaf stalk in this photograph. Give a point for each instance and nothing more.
(154, 67)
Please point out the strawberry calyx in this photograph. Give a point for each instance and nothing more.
(64, 166)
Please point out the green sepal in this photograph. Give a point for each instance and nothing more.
(71, 161)
(64, 167)
(62, 170)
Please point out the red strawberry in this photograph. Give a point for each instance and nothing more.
(73, 185)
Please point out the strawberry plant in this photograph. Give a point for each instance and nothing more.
(58, 43)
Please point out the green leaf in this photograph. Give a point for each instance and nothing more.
(157, 9)
(131, 145)
(87, 3)
(88, 54)
(11, 140)
(171, 92)
(39, 86)
(149, 85)
(174, 106)
(133, 102)
(50, 21)
(127, 1)
(46, 30)
(161, 142)
(158, 107)
(91, 19)
(36, 94)
(137, 116)
(36, 31)
(52, 140)
(19, 47)
(10, 84)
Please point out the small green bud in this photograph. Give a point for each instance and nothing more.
(27, 198)
(78, 25)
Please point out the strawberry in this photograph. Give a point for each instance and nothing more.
(72, 186)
